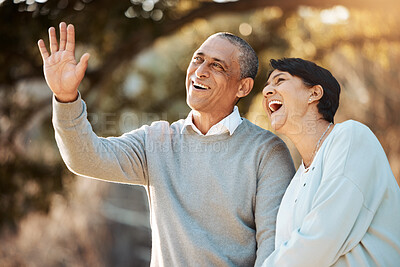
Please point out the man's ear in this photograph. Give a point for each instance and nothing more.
(245, 87)
(316, 93)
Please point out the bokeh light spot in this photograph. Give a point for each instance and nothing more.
(245, 29)
(130, 13)
(148, 5)
(157, 15)
(79, 6)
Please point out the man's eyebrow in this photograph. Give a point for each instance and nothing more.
(276, 75)
(220, 61)
(213, 58)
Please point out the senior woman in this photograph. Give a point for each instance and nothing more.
(342, 208)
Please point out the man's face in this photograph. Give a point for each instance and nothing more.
(213, 77)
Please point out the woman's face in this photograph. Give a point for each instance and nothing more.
(286, 102)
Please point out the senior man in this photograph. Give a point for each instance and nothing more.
(214, 180)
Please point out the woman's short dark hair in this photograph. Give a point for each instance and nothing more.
(312, 75)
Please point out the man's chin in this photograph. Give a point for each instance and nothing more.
(195, 102)
(194, 105)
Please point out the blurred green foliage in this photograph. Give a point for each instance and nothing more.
(114, 32)
(140, 50)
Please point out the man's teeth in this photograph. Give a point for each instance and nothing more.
(274, 105)
(200, 86)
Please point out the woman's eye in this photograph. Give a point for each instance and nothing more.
(280, 80)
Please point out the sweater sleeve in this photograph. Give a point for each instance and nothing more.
(116, 159)
(275, 173)
(340, 214)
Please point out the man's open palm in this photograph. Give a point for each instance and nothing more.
(63, 74)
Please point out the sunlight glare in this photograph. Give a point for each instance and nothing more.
(335, 15)
(224, 1)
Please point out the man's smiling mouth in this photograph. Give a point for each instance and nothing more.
(274, 105)
(200, 86)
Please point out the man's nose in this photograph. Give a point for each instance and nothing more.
(202, 71)
(268, 91)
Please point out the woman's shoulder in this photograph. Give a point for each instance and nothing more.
(354, 128)
(349, 124)
(355, 134)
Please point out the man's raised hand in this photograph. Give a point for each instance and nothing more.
(63, 74)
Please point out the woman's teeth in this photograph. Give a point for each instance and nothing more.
(274, 105)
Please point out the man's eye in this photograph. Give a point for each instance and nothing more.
(197, 59)
(218, 66)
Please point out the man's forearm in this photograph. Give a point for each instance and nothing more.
(87, 154)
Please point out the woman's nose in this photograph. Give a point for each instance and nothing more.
(268, 91)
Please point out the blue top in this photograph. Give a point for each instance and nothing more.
(344, 210)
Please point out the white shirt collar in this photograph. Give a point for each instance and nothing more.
(229, 123)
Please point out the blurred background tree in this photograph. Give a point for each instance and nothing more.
(140, 51)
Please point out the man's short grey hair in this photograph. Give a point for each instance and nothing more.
(248, 59)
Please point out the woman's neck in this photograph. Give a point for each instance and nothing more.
(310, 138)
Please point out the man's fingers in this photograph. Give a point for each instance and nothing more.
(43, 50)
(53, 40)
(70, 38)
(63, 35)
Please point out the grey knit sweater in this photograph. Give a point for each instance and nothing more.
(213, 199)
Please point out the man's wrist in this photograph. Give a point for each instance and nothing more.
(67, 98)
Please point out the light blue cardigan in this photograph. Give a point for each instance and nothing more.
(345, 210)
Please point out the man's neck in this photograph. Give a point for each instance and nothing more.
(204, 121)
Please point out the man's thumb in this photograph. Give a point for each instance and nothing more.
(82, 65)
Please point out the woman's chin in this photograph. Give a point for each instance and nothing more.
(277, 125)
(278, 120)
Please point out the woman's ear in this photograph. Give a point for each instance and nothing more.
(316, 93)
(245, 87)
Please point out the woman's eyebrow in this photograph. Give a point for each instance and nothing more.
(276, 75)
